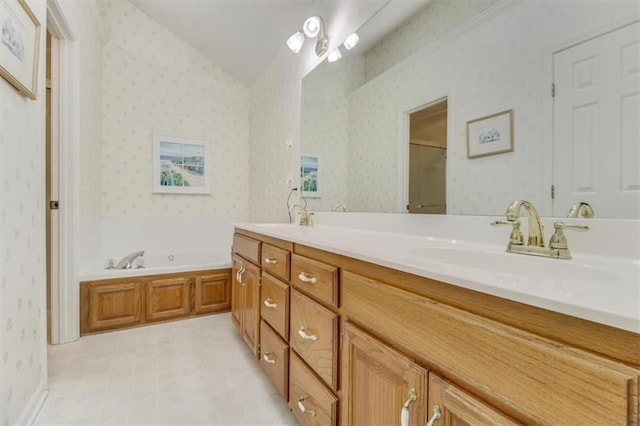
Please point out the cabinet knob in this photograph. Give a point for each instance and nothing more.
(307, 278)
(306, 336)
(269, 303)
(304, 409)
(270, 261)
(269, 358)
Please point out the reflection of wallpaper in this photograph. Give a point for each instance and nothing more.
(22, 246)
(154, 82)
(324, 126)
(482, 72)
(432, 22)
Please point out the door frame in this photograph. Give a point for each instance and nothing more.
(548, 112)
(65, 126)
(402, 198)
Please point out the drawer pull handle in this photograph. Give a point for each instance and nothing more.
(241, 277)
(270, 261)
(269, 358)
(302, 333)
(404, 414)
(307, 278)
(304, 409)
(270, 303)
(436, 414)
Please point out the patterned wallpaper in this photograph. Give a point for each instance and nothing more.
(431, 23)
(153, 82)
(325, 123)
(22, 242)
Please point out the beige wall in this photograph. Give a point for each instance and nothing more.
(22, 255)
(153, 82)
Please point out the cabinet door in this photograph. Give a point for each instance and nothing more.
(212, 293)
(380, 382)
(237, 293)
(114, 305)
(167, 298)
(453, 407)
(251, 308)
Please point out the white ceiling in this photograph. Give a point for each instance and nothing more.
(241, 36)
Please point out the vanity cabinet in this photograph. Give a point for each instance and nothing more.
(381, 381)
(274, 359)
(118, 303)
(245, 301)
(365, 340)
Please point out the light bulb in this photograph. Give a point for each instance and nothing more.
(351, 41)
(295, 42)
(311, 26)
(334, 56)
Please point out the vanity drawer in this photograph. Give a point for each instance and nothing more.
(315, 278)
(274, 305)
(309, 399)
(276, 261)
(314, 336)
(247, 248)
(274, 359)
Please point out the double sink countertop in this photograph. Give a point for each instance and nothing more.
(602, 289)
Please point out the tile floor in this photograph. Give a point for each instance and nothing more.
(195, 371)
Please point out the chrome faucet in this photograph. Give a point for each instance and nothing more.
(577, 208)
(306, 217)
(339, 207)
(127, 261)
(535, 241)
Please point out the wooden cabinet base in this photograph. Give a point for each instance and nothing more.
(118, 303)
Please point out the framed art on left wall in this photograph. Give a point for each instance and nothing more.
(19, 46)
(180, 165)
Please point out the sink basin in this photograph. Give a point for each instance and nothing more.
(510, 263)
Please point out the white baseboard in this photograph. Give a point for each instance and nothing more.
(30, 412)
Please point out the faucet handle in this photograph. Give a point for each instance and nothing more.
(558, 239)
(516, 236)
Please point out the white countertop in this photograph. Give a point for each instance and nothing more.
(605, 290)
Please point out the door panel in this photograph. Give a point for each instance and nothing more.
(596, 153)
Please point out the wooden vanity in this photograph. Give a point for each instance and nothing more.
(350, 342)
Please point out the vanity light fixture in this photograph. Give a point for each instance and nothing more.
(334, 56)
(313, 27)
(351, 41)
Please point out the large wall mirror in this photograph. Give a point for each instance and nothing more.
(490, 101)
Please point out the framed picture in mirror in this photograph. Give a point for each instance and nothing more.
(490, 135)
(310, 175)
(19, 46)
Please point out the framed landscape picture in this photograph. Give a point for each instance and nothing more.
(180, 165)
(310, 175)
(19, 46)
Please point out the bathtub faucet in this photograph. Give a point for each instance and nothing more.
(127, 261)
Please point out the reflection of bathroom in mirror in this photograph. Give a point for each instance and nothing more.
(580, 143)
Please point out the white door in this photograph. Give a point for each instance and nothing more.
(596, 130)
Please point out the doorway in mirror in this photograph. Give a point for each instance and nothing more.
(428, 159)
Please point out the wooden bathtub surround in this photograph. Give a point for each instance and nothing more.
(119, 303)
(362, 339)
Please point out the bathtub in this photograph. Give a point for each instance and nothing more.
(158, 263)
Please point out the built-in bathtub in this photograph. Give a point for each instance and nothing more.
(158, 263)
(171, 286)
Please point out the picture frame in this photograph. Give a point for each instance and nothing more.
(19, 46)
(310, 184)
(490, 135)
(180, 165)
